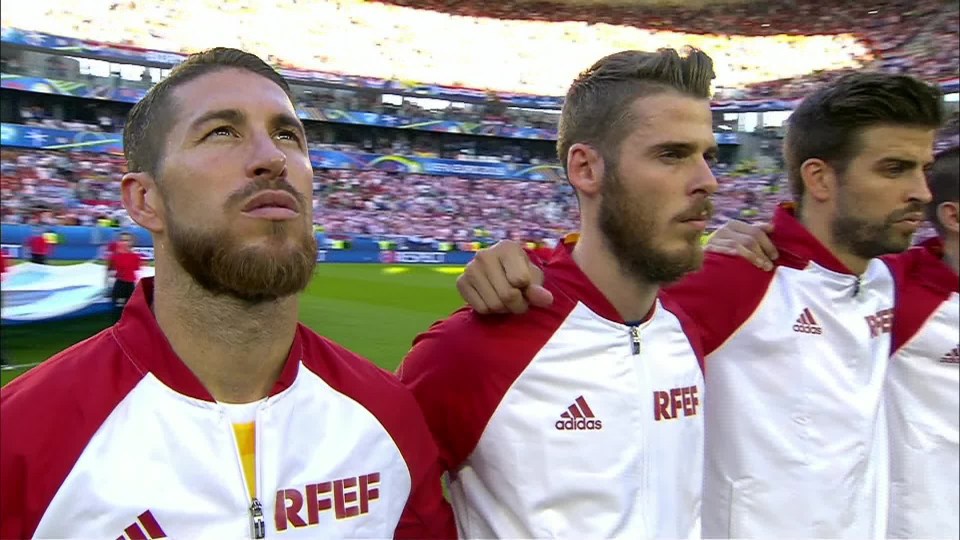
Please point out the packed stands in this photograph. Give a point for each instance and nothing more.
(762, 51)
(391, 42)
(82, 188)
(516, 51)
(918, 37)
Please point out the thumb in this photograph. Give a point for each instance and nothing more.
(767, 228)
(538, 296)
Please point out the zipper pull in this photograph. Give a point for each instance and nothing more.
(257, 526)
(635, 339)
(856, 287)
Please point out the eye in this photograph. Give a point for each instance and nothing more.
(670, 156)
(711, 159)
(221, 130)
(289, 134)
(894, 169)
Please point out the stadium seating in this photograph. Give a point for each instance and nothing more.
(762, 51)
(751, 43)
(82, 188)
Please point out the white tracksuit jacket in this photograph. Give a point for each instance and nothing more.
(116, 438)
(566, 422)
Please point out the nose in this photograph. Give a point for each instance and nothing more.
(266, 159)
(704, 181)
(919, 190)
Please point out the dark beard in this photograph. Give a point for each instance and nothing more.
(221, 266)
(630, 233)
(866, 239)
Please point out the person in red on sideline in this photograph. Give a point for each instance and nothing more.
(124, 264)
(110, 249)
(40, 248)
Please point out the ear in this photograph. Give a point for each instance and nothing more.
(948, 214)
(141, 198)
(819, 179)
(585, 169)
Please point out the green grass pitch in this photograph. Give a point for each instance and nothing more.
(373, 310)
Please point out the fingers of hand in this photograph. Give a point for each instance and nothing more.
(755, 256)
(509, 298)
(517, 268)
(471, 296)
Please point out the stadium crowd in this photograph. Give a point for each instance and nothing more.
(82, 188)
(750, 43)
(747, 40)
(916, 37)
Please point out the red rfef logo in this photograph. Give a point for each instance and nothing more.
(881, 323)
(349, 497)
(668, 404)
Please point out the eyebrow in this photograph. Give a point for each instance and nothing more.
(682, 148)
(236, 117)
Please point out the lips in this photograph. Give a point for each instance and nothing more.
(703, 215)
(913, 218)
(272, 199)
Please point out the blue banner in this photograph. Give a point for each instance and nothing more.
(60, 139)
(487, 128)
(43, 85)
(95, 49)
(88, 243)
(333, 159)
(94, 141)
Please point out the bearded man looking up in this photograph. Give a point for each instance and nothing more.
(208, 411)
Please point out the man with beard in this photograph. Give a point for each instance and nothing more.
(584, 420)
(208, 411)
(922, 399)
(797, 356)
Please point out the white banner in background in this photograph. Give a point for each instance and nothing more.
(34, 292)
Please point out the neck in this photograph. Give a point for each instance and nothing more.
(235, 349)
(631, 297)
(951, 253)
(818, 224)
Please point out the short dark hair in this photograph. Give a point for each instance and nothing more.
(944, 181)
(827, 124)
(150, 120)
(598, 102)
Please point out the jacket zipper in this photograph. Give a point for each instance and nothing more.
(635, 340)
(258, 528)
(856, 287)
(257, 524)
(644, 385)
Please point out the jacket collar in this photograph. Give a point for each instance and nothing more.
(800, 247)
(567, 275)
(144, 343)
(929, 268)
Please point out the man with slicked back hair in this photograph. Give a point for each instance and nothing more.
(797, 352)
(585, 420)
